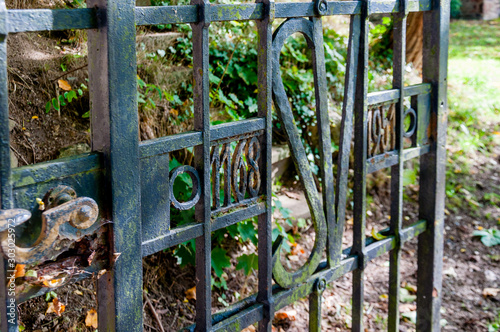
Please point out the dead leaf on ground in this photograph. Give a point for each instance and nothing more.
(91, 318)
(20, 272)
(56, 307)
(64, 85)
(251, 328)
(284, 315)
(54, 282)
(191, 293)
(407, 307)
(491, 292)
(292, 195)
(297, 250)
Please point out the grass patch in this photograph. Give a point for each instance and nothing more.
(473, 102)
(478, 39)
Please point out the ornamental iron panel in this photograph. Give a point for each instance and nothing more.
(122, 192)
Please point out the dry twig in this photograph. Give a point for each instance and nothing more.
(155, 315)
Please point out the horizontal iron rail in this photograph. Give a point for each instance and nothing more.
(248, 311)
(392, 95)
(219, 132)
(26, 20)
(391, 158)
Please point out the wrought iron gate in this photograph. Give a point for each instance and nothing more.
(131, 184)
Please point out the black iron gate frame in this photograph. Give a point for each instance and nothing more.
(126, 168)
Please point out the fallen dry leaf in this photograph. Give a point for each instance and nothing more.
(491, 292)
(54, 282)
(286, 315)
(20, 272)
(407, 307)
(191, 293)
(251, 328)
(56, 307)
(292, 195)
(297, 250)
(64, 85)
(77, 292)
(91, 318)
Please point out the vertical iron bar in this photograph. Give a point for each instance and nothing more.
(8, 322)
(201, 100)
(115, 132)
(433, 169)
(346, 131)
(325, 141)
(315, 302)
(265, 31)
(397, 170)
(360, 152)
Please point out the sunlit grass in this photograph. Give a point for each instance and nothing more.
(473, 103)
(474, 84)
(477, 39)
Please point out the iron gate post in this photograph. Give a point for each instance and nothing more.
(399, 65)
(264, 100)
(5, 167)
(433, 169)
(115, 133)
(360, 172)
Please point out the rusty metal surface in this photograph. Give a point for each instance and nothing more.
(66, 220)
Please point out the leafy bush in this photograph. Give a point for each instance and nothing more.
(455, 8)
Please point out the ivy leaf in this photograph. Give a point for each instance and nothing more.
(71, 95)
(220, 260)
(248, 263)
(489, 237)
(161, 53)
(213, 79)
(185, 254)
(247, 231)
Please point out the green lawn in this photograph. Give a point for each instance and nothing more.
(476, 39)
(474, 87)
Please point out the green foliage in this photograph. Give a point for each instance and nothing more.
(220, 260)
(248, 263)
(65, 99)
(50, 295)
(495, 325)
(380, 41)
(455, 8)
(489, 237)
(492, 198)
(144, 92)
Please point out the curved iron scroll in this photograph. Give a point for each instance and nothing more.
(66, 219)
(312, 32)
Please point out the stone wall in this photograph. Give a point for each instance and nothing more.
(481, 9)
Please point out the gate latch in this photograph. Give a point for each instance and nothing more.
(64, 218)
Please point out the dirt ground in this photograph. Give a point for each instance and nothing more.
(469, 266)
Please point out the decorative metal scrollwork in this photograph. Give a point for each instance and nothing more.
(195, 194)
(382, 128)
(240, 169)
(413, 122)
(65, 214)
(312, 32)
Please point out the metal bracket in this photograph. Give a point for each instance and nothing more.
(63, 210)
(321, 7)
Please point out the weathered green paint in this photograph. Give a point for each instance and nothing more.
(128, 178)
